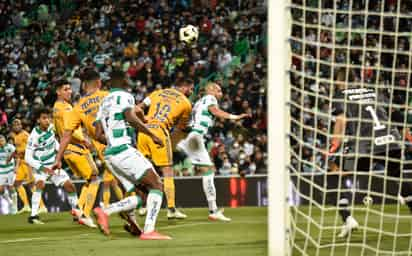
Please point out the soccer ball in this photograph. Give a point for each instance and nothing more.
(188, 34)
(367, 201)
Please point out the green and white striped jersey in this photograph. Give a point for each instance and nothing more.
(5, 153)
(111, 115)
(42, 148)
(202, 119)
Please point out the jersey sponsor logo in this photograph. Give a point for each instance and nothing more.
(89, 101)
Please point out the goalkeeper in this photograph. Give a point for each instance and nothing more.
(365, 137)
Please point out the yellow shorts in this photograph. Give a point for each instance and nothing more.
(81, 164)
(160, 156)
(24, 172)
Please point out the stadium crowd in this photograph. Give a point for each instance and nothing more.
(42, 41)
(375, 47)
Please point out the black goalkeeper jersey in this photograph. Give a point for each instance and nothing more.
(367, 128)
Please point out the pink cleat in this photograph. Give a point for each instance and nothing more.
(102, 220)
(154, 236)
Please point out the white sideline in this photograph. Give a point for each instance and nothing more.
(160, 228)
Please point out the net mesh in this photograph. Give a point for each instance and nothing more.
(364, 44)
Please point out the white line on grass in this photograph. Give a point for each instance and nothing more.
(160, 228)
(21, 240)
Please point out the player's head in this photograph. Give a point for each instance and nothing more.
(43, 118)
(63, 90)
(118, 79)
(16, 125)
(214, 89)
(3, 141)
(185, 86)
(91, 79)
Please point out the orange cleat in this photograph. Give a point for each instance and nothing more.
(102, 220)
(154, 236)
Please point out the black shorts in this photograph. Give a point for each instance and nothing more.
(391, 163)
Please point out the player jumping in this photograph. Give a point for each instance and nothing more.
(193, 145)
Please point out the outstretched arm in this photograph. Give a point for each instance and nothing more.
(338, 132)
(135, 122)
(216, 111)
(64, 142)
(100, 133)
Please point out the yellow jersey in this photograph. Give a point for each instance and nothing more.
(84, 113)
(20, 142)
(168, 108)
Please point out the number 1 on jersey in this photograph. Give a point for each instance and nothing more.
(377, 125)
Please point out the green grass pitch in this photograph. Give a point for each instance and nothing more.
(245, 235)
(380, 233)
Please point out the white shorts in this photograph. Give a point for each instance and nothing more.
(7, 179)
(128, 166)
(194, 147)
(59, 177)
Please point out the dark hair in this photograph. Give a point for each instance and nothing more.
(40, 111)
(117, 78)
(89, 74)
(183, 82)
(59, 83)
(117, 74)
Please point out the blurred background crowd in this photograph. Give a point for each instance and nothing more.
(370, 48)
(41, 41)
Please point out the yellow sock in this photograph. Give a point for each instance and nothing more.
(82, 198)
(169, 189)
(23, 195)
(41, 204)
(106, 196)
(118, 191)
(90, 198)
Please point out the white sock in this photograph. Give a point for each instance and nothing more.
(132, 215)
(35, 202)
(127, 204)
(73, 200)
(154, 202)
(13, 201)
(210, 190)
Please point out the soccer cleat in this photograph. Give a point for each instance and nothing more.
(43, 210)
(87, 221)
(35, 220)
(175, 214)
(131, 226)
(26, 208)
(102, 220)
(142, 211)
(218, 216)
(401, 200)
(154, 236)
(350, 225)
(76, 213)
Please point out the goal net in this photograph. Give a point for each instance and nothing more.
(350, 153)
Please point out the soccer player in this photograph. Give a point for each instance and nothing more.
(167, 108)
(7, 174)
(84, 114)
(204, 111)
(115, 126)
(40, 155)
(361, 129)
(77, 154)
(23, 171)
